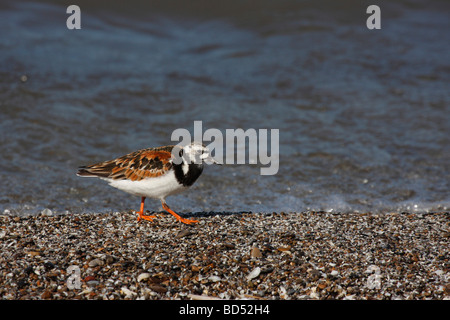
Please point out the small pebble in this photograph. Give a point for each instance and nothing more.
(92, 283)
(214, 278)
(255, 273)
(158, 288)
(229, 246)
(256, 253)
(95, 262)
(48, 265)
(183, 233)
(47, 212)
(127, 292)
(47, 294)
(143, 276)
(110, 259)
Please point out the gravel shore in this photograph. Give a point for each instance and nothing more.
(309, 255)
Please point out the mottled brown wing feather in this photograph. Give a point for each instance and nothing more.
(138, 165)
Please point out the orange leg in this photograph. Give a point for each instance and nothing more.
(186, 221)
(141, 212)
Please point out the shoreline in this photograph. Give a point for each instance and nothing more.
(294, 256)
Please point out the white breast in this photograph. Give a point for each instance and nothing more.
(158, 188)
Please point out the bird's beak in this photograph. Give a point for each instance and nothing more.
(210, 160)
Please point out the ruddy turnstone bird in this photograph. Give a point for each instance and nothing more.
(153, 173)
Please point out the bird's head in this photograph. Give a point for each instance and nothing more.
(197, 153)
(194, 153)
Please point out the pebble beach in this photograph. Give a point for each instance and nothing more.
(261, 256)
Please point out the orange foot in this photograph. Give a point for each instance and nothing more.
(141, 212)
(145, 217)
(186, 221)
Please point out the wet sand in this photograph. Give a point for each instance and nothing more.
(309, 255)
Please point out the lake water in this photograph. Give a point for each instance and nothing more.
(363, 115)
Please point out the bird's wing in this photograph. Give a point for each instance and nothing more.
(138, 165)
